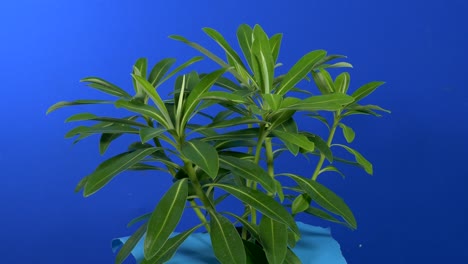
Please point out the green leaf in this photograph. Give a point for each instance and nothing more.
(89, 116)
(236, 121)
(149, 133)
(216, 36)
(81, 184)
(105, 141)
(342, 82)
(130, 244)
(261, 55)
(365, 90)
(331, 168)
(105, 86)
(179, 68)
(77, 102)
(323, 81)
(337, 65)
(324, 215)
(262, 202)
(348, 133)
(112, 129)
(275, 45)
(321, 145)
(167, 251)
(241, 134)
(245, 39)
(296, 139)
(223, 96)
(325, 198)
(327, 102)
(251, 228)
(151, 91)
(107, 170)
(139, 219)
(145, 110)
(203, 155)
(274, 237)
(159, 70)
(273, 101)
(291, 258)
(202, 87)
(165, 217)
(300, 70)
(248, 170)
(359, 158)
(227, 244)
(300, 204)
(254, 253)
(288, 126)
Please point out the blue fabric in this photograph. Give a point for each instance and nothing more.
(316, 246)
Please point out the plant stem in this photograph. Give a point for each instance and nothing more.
(269, 156)
(336, 121)
(199, 191)
(200, 215)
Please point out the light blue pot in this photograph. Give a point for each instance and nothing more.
(316, 246)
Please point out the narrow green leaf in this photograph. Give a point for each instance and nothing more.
(254, 253)
(279, 190)
(145, 110)
(203, 155)
(130, 244)
(337, 65)
(251, 228)
(288, 126)
(365, 90)
(241, 134)
(92, 117)
(227, 244)
(291, 258)
(165, 218)
(300, 204)
(105, 86)
(323, 81)
(167, 251)
(262, 202)
(325, 198)
(105, 141)
(112, 129)
(273, 101)
(245, 38)
(178, 69)
(359, 158)
(261, 53)
(216, 36)
(325, 216)
(107, 170)
(202, 87)
(274, 237)
(326, 59)
(77, 102)
(139, 219)
(296, 139)
(328, 102)
(275, 45)
(331, 168)
(248, 170)
(348, 133)
(321, 145)
(223, 96)
(151, 91)
(159, 70)
(300, 70)
(149, 133)
(81, 184)
(342, 82)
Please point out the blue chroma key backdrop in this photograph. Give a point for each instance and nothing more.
(411, 211)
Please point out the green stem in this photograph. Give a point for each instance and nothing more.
(269, 156)
(199, 191)
(336, 121)
(199, 213)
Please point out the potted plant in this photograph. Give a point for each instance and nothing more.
(220, 134)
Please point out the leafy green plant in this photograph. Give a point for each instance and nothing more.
(220, 134)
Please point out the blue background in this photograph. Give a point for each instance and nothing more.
(411, 211)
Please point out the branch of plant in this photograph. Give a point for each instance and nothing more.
(336, 121)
